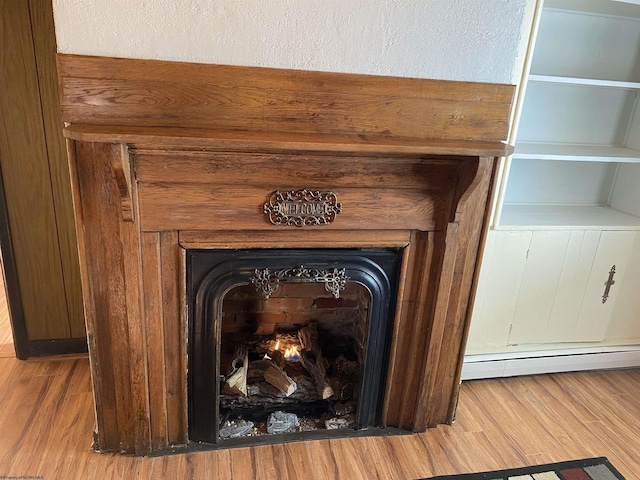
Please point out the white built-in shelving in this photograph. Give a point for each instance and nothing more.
(568, 215)
(579, 128)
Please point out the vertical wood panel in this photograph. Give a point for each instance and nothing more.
(155, 337)
(434, 314)
(434, 369)
(463, 239)
(130, 237)
(45, 54)
(411, 323)
(174, 290)
(27, 182)
(116, 332)
(95, 303)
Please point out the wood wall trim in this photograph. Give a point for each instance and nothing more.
(152, 93)
(294, 239)
(60, 346)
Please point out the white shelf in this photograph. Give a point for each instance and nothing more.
(562, 217)
(575, 152)
(624, 8)
(591, 82)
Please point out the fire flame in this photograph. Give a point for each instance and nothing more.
(292, 353)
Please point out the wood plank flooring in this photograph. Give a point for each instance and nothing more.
(46, 422)
(6, 337)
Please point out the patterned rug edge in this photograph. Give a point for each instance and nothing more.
(548, 467)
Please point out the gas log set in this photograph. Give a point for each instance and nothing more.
(290, 381)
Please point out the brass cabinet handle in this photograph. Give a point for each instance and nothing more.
(610, 281)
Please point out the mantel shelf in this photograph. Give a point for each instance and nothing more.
(211, 140)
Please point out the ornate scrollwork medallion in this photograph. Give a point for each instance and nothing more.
(268, 281)
(302, 207)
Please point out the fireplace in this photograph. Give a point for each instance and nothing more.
(195, 184)
(288, 341)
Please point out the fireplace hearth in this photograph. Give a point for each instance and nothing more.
(195, 184)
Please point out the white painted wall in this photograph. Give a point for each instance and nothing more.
(469, 40)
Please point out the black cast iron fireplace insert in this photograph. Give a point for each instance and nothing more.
(287, 344)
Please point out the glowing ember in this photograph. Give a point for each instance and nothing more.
(292, 353)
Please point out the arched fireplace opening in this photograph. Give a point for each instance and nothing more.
(288, 344)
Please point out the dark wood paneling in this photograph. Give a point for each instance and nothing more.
(27, 180)
(11, 284)
(44, 43)
(110, 91)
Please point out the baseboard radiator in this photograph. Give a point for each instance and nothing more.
(511, 364)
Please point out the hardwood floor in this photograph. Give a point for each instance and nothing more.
(46, 421)
(6, 337)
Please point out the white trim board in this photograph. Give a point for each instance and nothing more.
(549, 361)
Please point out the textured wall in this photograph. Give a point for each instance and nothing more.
(473, 40)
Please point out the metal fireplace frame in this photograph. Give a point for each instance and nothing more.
(211, 273)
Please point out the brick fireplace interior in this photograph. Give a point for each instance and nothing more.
(176, 166)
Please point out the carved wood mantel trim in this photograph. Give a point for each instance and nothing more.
(168, 156)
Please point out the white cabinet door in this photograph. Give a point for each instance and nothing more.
(614, 250)
(541, 277)
(570, 293)
(498, 286)
(624, 327)
(564, 280)
(546, 287)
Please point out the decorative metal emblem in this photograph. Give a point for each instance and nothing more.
(302, 208)
(267, 281)
(608, 284)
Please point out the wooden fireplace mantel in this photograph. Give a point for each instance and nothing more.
(170, 156)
